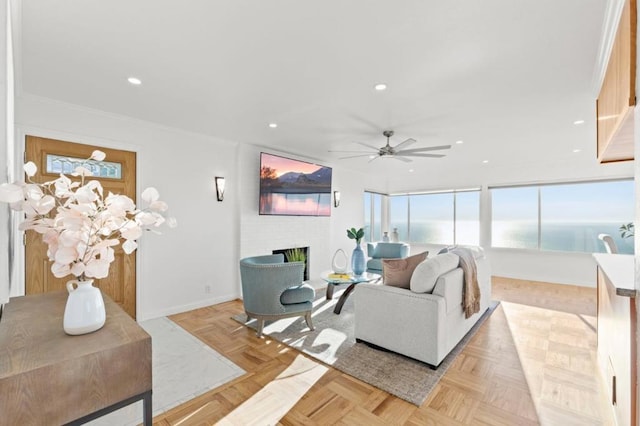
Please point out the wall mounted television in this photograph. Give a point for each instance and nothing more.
(293, 187)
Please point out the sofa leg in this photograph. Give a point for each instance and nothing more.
(307, 318)
(260, 327)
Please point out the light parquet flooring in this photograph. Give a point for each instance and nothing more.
(525, 366)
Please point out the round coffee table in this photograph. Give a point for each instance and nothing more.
(352, 279)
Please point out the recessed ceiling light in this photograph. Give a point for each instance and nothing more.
(380, 86)
(485, 161)
(371, 157)
(578, 122)
(577, 150)
(134, 81)
(459, 142)
(273, 125)
(410, 170)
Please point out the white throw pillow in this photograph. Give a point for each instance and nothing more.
(427, 273)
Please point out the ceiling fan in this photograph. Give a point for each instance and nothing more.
(399, 152)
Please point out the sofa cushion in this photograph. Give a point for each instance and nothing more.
(398, 272)
(426, 274)
(298, 294)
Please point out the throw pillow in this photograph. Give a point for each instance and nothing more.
(397, 272)
(427, 273)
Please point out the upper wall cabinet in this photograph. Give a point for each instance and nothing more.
(617, 97)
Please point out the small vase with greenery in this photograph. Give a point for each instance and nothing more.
(355, 235)
(357, 258)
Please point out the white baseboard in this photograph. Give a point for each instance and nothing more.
(184, 308)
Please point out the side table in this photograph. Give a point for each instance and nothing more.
(352, 280)
(48, 377)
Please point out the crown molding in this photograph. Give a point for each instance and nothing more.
(612, 15)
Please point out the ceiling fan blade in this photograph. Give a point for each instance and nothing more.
(405, 159)
(369, 146)
(404, 144)
(429, 148)
(356, 156)
(418, 154)
(352, 152)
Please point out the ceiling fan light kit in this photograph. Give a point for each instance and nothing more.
(398, 152)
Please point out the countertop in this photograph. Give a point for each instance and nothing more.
(619, 269)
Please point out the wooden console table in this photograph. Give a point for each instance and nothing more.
(48, 377)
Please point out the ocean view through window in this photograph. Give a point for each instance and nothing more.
(563, 217)
(451, 217)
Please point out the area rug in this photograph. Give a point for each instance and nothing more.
(333, 343)
(183, 368)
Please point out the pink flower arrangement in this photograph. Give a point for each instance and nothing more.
(78, 223)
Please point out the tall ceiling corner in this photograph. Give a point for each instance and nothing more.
(610, 23)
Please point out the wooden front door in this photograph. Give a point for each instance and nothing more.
(120, 285)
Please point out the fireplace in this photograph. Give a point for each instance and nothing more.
(304, 250)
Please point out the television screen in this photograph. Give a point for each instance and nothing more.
(293, 188)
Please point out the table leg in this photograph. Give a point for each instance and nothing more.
(147, 409)
(330, 288)
(343, 298)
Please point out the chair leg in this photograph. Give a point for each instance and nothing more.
(248, 317)
(260, 327)
(307, 318)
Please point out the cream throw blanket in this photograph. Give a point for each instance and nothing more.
(471, 289)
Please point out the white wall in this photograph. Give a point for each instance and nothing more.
(173, 268)
(6, 141)
(259, 235)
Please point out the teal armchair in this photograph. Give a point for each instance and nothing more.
(379, 251)
(273, 289)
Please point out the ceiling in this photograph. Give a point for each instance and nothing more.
(509, 78)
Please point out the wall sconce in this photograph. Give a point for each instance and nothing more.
(336, 198)
(220, 188)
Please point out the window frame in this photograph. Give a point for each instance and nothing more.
(372, 213)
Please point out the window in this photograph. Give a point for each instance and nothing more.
(399, 216)
(437, 218)
(372, 216)
(515, 217)
(57, 164)
(431, 218)
(563, 217)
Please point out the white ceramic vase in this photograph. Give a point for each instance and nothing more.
(84, 311)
